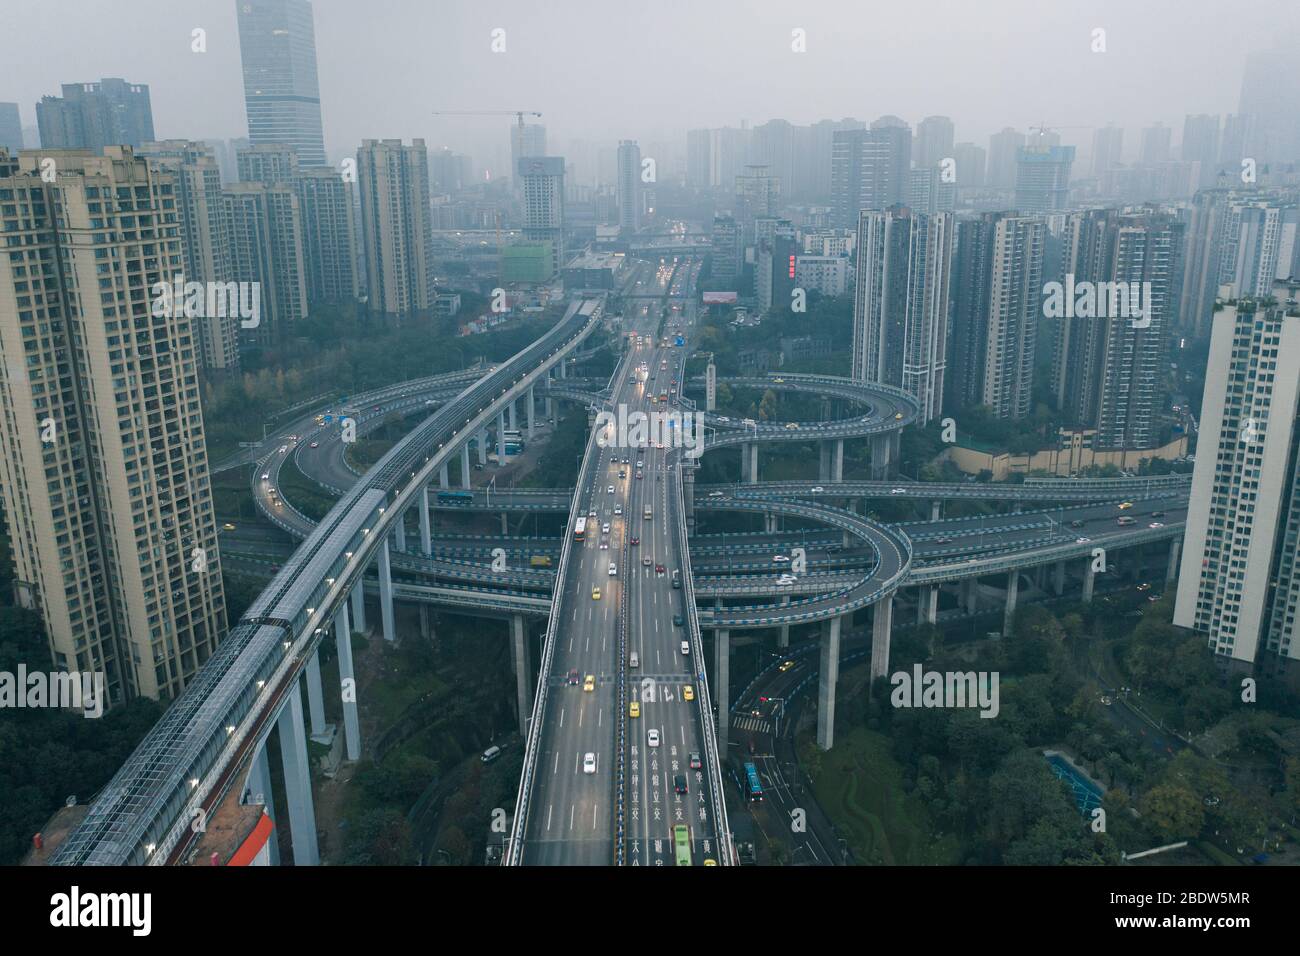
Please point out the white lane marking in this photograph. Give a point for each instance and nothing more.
(561, 721)
(572, 809)
(550, 810)
(557, 764)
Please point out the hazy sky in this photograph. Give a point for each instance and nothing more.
(650, 70)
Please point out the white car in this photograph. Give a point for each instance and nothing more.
(780, 559)
(618, 509)
(1082, 540)
(604, 529)
(611, 489)
(652, 737)
(589, 763)
(686, 647)
(816, 489)
(898, 491)
(613, 570)
(266, 476)
(786, 579)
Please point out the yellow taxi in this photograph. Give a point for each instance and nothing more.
(688, 692)
(1125, 505)
(710, 861)
(589, 683)
(785, 666)
(595, 594)
(634, 709)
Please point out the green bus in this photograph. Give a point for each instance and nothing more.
(682, 845)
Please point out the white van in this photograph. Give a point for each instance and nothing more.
(490, 754)
(686, 647)
(633, 659)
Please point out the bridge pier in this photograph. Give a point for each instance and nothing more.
(444, 479)
(826, 681)
(426, 524)
(1175, 553)
(359, 604)
(749, 462)
(883, 464)
(523, 671)
(505, 524)
(936, 509)
(882, 622)
(297, 780)
(722, 687)
(501, 438)
(1058, 578)
(1013, 586)
(970, 595)
(769, 522)
(824, 461)
(837, 461)
(1088, 579)
(399, 532)
(315, 695)
(259, 783)
(482, 447)
(927, 606)
(464, 466)
(531, 415)
(347, 683)
(386, 593)
(783, 635)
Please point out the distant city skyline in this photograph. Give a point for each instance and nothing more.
(1186, 60)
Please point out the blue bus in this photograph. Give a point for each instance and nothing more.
(456, 497)
(753, 787)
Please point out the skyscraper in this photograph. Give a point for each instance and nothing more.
(1270, 89)
(11, 128)
(870, 169)
(1201, 145)
(1004, 147)
(193, 167)
(996, 303)
(329, 235)
(1043, 178)
(1153, 147)
(1107, 148)
(526, 140)
(629, 186)
(542, 179)
(104, 476)
(1260, 245)
(726, 248)
(970, 162)
(396, 230)
(94, 115)
(264, 228)
(1239, 582)
(933, 144)
(277, 44)
(1107, 371)
(900, 305)
(758, 194)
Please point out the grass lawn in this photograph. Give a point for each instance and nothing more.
(860, 786)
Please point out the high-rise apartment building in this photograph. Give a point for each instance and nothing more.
(542, 181)
(277, 45)
(193, 167)
(1201, 145)
(104, 475)
(726, 248)
(900, 306)
(715, 157)
(996, 303)
(1239, 581)
(274, 164)
(1107, 370)
(264, 229)
(329, 235)
(94, 115)
(969, 165)
(934, 141)
(1107, 148)
(396, 228)
(870, 169)
(1260, 245)
(758, 195)
(1153, 145)
(526, 140)
(1043, 178)
(629, 186)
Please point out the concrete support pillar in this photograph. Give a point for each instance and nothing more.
(444, 479)
(837, 461)
(927, 604)
(426, 524)
(347, 683)
(751, 452)
(501, 438)
(513, 410)
(482, 447)
(531, 414)
(523, 671)
(882, 622)
(1013, 587)
(827, 678)
(562, 366)
(359, 605)
(259, 782)
(769, 522)
(315, 695)
(1175, 554)
(1058, 578)
(399, 532)
(1040, 575)
(550, 408)
(505, 523)
(970, 593)
(465, 481)
(783, 634)
(386, 593)
(824, 461)
(880, 457)
(722, 688)
(426, 632)
(936, 509)
(1088, 579)
(297, 780)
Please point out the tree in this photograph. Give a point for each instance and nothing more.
(1173, 812)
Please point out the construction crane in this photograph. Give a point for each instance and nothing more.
(518, 114)
(1042, 128)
